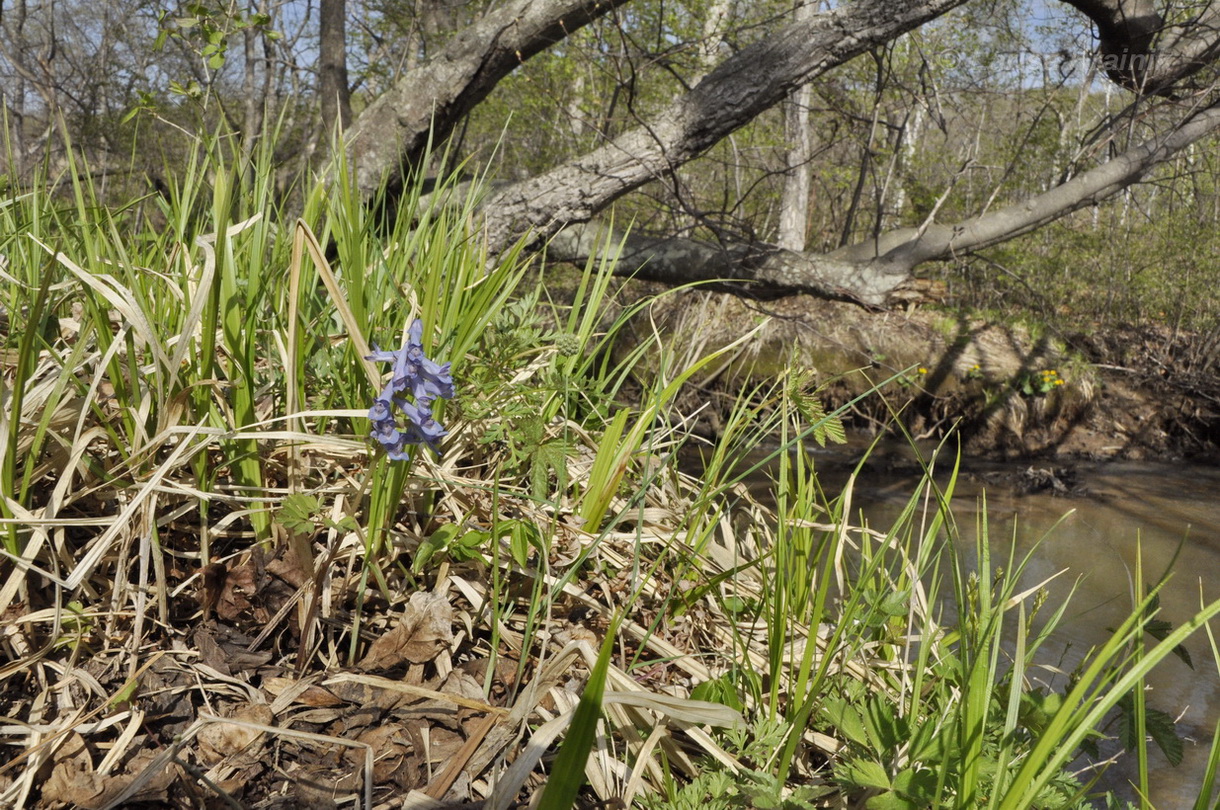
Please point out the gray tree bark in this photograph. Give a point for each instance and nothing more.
(333, 87)
(904, 249)
(870, 271)
(733, 94)
(555, 208)
(794, 203)
(1140, 51)
(393, 133)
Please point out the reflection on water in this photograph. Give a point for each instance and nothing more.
(1113, 512)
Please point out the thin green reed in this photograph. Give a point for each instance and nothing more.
(236, 299)
(860, 595)
(1139, 706)
(27, 358)
(1211, 773)
(122, 362)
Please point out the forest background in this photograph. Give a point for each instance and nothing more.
(988, 105)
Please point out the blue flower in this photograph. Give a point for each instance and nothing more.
(414, 374)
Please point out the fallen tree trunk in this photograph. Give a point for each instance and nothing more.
(557, 208)
(753, 269)
(868, 272)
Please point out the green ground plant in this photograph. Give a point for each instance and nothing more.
(207, 564)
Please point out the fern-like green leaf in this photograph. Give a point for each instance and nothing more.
(299, 513)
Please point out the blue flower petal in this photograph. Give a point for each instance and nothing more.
(426, 381)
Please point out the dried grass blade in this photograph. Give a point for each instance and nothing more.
(510, 782)
(279, 731)
(102, 544)
(683, 710)
(354, 331)
(415, 691)
(568, 772)
(119, 298)
(441, 784)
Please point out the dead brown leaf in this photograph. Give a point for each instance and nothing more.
(426, 630)
(224, 649)
(155, 790)
(226, 590)
(311, 695)
(289, 570)
(460, 683)
(318, 787)
(443, 744)
(391, 750)
(73, 782)
(212, 582)
(220, 740)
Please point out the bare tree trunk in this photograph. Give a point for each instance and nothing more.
(867, 153)
(34, 61)
(719, 12)
(574, 108)
(904, 156)
(556, 206)
(870, 271)
(762, 271)
(794, 202)
(14, 95)
(252, 105)
(1139, 51)
(907, 248)
(332, 66)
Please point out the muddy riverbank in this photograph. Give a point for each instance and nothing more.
(1010, 390)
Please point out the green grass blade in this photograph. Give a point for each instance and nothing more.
(568, 770)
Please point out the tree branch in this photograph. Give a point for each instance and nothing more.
(762, 271)
(902, 250)
(729, 97)
(393, 132)
(554, 207)
(1141, 52)
(869, 271)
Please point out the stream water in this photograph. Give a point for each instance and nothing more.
(1112, 513)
